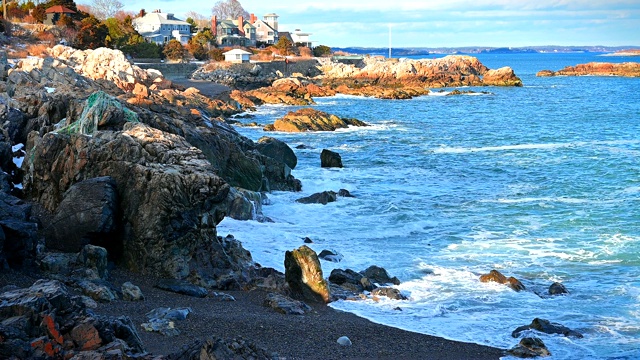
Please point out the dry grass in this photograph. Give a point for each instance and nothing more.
(39, 50)
(305, 52)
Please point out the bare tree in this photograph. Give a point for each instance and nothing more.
(200, 20)
(228, 9)
(104, 9)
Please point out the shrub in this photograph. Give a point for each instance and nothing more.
(174, 50)
(305, 52)
(216, 54)
(321, 51)
(39, 50)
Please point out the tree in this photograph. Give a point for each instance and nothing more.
(174, 50)
(104, 9)
(321, 51)
(92, 34)
(284, 45)
(200, 20)
(193, 27)
(229, 9)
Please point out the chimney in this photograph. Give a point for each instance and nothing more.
(241, 25)
(214, 25)
(253, 18)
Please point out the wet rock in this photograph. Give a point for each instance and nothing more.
(391, 293)
(323, 198)
(496, 276)
(530, 347)
(379, 275)
(329, 255)
(181, 287)
(286, 305)
(278, 150)
(308, 119)
(303, 273)
(330, 159)
(215, 348)
(557, 289)
(307, 240)
(357, 281)
(344, 193)
(131, 292)
(546, 327)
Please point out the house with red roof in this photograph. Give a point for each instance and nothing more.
(54, 13)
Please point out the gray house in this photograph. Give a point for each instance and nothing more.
(161, 27)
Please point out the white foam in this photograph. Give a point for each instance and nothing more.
(443, 149)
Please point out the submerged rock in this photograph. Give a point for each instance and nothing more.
(497, 276)
(391, 293)
(546, 327)
(557, 289)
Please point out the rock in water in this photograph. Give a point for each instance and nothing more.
(547, 327)
(323, 198)
(344, 341)
(303, 273)
(308, 119)
(278, 150)
(329, 159)
(497, 276)
(530, 348)
(557, 289)
(379, 275)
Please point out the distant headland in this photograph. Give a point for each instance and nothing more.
(423, 51)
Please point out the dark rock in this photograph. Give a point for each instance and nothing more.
(530, 347)
(379, 275)
(181, 287)
(95, 259)
(497, 276)
(18, 234)
(86, 215)
(131, 292)
(323, 198)
(214, 348)
(329, 159)
(307, 240)
(303, 146)
(557, 289)
(546, 327)
(329, 255)
(286, 305)
(391, 293)
(303, 273)
(162, 320)
(344, 193)
(277, 149)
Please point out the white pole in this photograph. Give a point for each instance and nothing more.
(389, 41)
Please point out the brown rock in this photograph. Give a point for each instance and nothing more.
(141, 91)
(530, 348)
(496, 276)
(303, 273)
(86, 337)
(501, 77)
(627, 69)
(308, 119)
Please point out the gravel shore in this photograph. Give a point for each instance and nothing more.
(310, 336)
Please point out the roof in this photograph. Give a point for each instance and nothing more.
(271, 15)
(57, 9)
(265, 24)
(160, 18)
(236, 52)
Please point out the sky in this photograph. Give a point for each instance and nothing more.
(440, 23)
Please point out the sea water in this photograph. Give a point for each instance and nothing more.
(540, 182)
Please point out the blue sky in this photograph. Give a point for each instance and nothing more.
(442, 23)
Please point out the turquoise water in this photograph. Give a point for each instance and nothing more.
(540, 182)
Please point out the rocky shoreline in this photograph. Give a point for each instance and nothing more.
(627, 69)
(113, 182)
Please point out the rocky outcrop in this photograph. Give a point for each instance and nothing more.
(303, 273)
(449, 71)
(278, 150)
(379, 275)
(558, 289)
(308, 119)
(330, 159)
(496, 276)
(46, 320)
(323, 198)
(547, 327)
(530, 347)
(627, 69)
(505, 76)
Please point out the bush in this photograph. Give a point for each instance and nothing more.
(216, 54)
(39, 50)
(174, 50)
(305, 52)
(143, 50)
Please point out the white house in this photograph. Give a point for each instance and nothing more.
(236, 56)
(300, 37)
(161, 27)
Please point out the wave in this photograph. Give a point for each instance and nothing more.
(443, 149)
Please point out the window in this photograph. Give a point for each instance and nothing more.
(238, 57)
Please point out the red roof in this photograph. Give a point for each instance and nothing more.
(59, 9)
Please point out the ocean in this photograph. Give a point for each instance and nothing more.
(541, 183)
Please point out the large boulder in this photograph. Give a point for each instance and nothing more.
(18, 233)
(278, 150)
(323, 198)
(308, 119)
(530, 347)
(379, 275)
(170, 198)
(88, 213)
(501, 77)
(303, 273)
(329, 159)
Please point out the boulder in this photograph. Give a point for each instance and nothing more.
(323, 198)
(497, 276)
(530, 347)
(18, 234)
(303, 273)
(131, 292)
(379, 275)
(350, 279)
(329, 255)
(391, 293)
(546, 327)
(557, 289)
(87, 214)
(170, 198)
(330, 159)
(344, 193)
(278, 150)
(94, 258)
(308, 119)
(286, 305)
(501, 77)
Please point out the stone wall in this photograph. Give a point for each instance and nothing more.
(294, 66)
(172, 71)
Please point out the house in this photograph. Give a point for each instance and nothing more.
(301, 38)
(54, 13)
(229, 32)
(267, 28)
(159, 27)
(236, 56)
